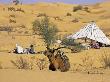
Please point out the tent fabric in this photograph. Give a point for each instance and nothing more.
(91, 31)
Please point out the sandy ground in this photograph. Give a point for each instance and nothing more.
(10, 74)
(22, 34)
(13, 75)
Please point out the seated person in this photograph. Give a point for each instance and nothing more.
(32, 49)
(95, 45)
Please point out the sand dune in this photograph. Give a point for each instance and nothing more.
(20, 18)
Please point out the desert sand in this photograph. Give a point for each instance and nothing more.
(21, 23)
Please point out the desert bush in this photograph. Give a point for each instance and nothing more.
(42, 63)
(68, 14)
(22, 26)
(68, 42)
(87, 65)
(105, 60)
(75, 20)
(21, 63)
(77, 48)
(20, 10)
(46, 29)
(71, 44)
(1, 66)
(12, 15)
(11, 9)
(87, 62)
(12, 21)
(6, 28)
(86, 9)
(26, 32)
(79, 7)
(30, 63)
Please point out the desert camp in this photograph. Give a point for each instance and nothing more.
(51, 41)
(91, 31)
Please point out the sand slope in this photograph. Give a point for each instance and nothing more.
(22, 34)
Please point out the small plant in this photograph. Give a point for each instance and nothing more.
(11, 9)
(6, 28)
(21, 63)
(68, 14)
(13, 16)
(105, 60)
(26, 32)
(68, 42)
(22, 26)
(1, 66)
(77, 48)
(20, 10)
(74, 46)
(12, 21)
(42, 63)
(75, 20)
(79, 7)
(87, 61)
(86, 9)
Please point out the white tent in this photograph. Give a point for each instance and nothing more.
(91, 31)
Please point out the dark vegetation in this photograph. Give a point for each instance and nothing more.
(79, 7)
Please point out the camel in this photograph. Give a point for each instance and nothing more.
(57, 59)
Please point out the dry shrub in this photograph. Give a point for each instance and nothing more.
(86, 9)
(30, 63)
(75, 20)
(76, 8)
(87, 62)
(20, 10)
(12, 21)
(21, 63)
(6, 28)
(12, 15)
(22, 26)
(87, 66)
(1, 66)
(26, 32)
(68, 14)
(105, 60)
(42, 63)
(11, 9)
